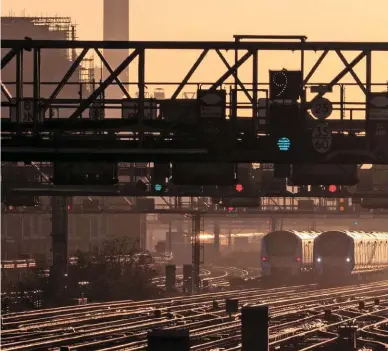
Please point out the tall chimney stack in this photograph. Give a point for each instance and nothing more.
(116, 27)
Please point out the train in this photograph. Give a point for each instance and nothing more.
(287, 255)
(339, 255)
(331, 256)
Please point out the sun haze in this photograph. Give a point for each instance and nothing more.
(156, 20)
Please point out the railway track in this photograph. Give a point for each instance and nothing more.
(215, 276)
(123, 325)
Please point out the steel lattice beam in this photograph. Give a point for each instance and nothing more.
(8, 56)
(141, 86)
(231, 70)
(222, 214)
(196, 45)
(189, 74)
(315, 67)
(19, 83)
(262, 150)
(5, 91)
(131, 190)
(66, 77)
(350, 69)
(216, 85)
(121, 125)
(145, 140)
(344, 72)
(110, 70)
(241, 85)
(104, 85)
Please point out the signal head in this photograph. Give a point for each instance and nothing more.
(158, 187)
(284, 144)
(239, 188)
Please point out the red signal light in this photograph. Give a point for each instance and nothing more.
(239, 188)
(332, 188)
(264, 258)
(230, 209)
(341, 205)
(298, 259)
(69, 207)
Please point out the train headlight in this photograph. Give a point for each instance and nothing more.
(319, 259)
(347, 259)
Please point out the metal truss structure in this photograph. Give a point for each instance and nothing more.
(144, 139)
(187, 200)
(130, 189)
(226, 214)
(191, 200)
(141, 139)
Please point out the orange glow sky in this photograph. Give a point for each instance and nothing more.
(319, 20)
(219, 19)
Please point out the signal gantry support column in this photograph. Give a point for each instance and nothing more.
(169, 238)
(254, 328)
(170, 277)
(276, 224)
(217, 236)
(143, 231)
(58, 275)
(196, 250)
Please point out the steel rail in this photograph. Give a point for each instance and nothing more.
(146, 308)
(117, 330)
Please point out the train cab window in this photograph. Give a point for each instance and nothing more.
(281, 244)
(334, 245)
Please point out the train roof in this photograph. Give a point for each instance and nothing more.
(359, 235)
(305, 235)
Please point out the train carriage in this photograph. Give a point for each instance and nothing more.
(287, 254)
(339, 254)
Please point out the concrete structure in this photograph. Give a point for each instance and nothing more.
(116, 27)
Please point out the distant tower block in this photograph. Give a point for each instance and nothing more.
(116, 27)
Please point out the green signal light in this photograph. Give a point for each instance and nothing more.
(158, 187)
(284, 144)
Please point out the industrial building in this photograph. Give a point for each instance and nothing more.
(31, 232)
(54, 63)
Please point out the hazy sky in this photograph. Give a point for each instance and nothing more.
(219, 19)
(319, 20)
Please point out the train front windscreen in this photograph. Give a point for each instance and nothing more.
(281, 244)
(281, 248)
(333, 244)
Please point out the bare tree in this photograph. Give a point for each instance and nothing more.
(118, 270)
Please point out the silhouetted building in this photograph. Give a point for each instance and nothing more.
(54, 63)
(30, 233)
